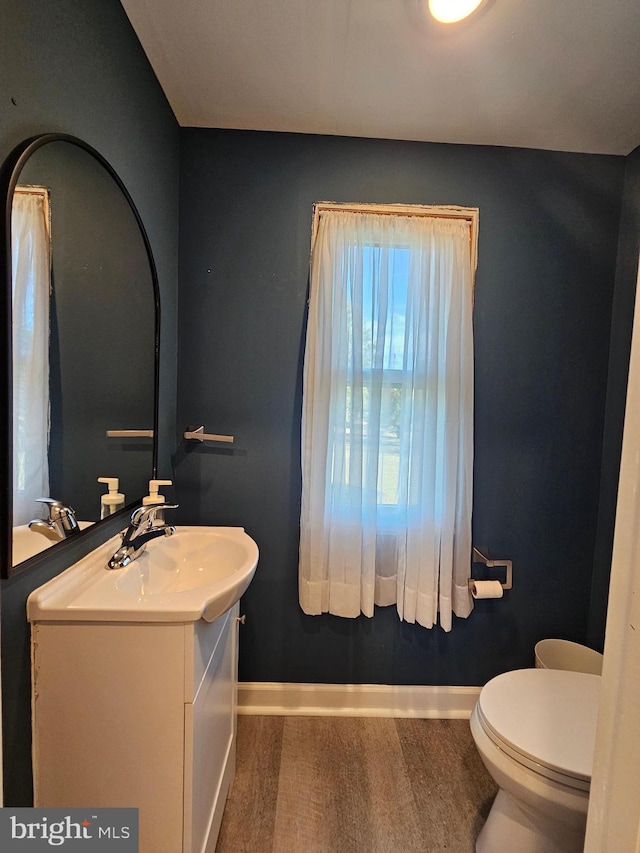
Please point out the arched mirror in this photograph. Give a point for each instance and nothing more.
(81, 316)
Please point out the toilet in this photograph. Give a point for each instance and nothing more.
(535, 732)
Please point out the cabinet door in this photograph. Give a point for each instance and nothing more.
(108, 717)
(210, 742)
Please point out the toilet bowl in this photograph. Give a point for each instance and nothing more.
(535, 732)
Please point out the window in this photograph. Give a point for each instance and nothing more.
(382, 349)
(387, 448)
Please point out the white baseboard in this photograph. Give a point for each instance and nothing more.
(355, 700)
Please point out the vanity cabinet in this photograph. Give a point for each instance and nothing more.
(140, 715)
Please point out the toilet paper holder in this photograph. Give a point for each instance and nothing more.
(479, 557)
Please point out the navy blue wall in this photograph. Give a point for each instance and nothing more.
(77, 67)
(543, 301)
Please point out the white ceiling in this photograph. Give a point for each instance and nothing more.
(554, 74)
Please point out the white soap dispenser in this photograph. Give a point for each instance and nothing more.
(113, 500)
(153, 497)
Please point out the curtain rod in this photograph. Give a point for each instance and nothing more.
(440, 211)
(433, 211)
(31, 190)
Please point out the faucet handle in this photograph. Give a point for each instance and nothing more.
(147, 514)
(54, 507)
(59, 512)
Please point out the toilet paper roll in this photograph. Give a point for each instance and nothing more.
(486, 589)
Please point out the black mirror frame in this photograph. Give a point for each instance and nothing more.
(9, 175)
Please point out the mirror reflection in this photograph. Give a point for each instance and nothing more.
(84, 347)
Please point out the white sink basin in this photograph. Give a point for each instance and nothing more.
(27, 543)
(199, 572)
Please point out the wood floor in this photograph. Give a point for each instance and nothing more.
(347, 785)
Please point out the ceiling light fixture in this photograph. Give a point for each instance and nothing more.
(453, 11)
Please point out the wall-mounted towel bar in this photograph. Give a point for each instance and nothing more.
(129, 433)
(479, 557)
(200, 435)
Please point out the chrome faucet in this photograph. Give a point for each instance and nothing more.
(60, 522)
(146, 524)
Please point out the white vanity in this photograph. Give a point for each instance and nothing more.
(134, 684)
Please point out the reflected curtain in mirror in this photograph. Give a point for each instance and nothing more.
(31, 287)
(387, 434)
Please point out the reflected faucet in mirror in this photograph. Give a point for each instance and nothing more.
(60, 523)
(147, 523)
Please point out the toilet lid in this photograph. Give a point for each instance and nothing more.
(544, 718)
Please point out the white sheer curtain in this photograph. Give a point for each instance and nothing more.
(31, 276)
(387, 426)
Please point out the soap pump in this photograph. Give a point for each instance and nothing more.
(113, 500)
(153, 497)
